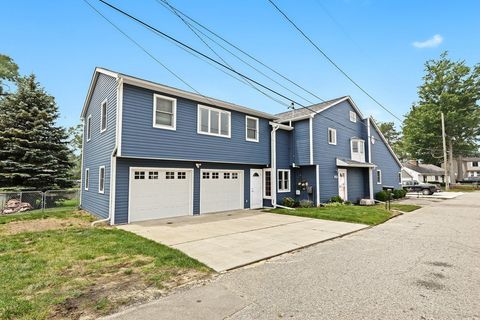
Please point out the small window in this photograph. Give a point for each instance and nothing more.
(226, 175)
(475, 164)
(89, 127)
(206, 175)
(169, 175)
(251, 124)
(400, 178)
(267, 192)
(357, 150)
(353, 116)
(101, 179)
(87, 178)
(182, 175)
(213, 121)
(164, 112)
(153, 175)
(215, 175)
(139, 175)
(103, 116)
(234, 175)
(379, 176)
(283, 180)
(332, 136)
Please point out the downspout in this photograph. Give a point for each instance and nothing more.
(370, 171)
(113, 161)
(273, 161)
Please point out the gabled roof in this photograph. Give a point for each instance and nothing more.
(170, 90)
(375, 126)
(471, 159)
(424, 168)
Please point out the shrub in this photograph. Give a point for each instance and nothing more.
(288, 202)
(397, 194)
(348, 203)
(306, 203)
(336, 199)
(381, 196)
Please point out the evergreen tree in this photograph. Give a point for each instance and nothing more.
(8, 71)
(33, 151)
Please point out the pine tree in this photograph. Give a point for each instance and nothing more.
(33, 149)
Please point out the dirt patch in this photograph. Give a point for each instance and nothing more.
(41, 225)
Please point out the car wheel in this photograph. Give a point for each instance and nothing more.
(426, 192)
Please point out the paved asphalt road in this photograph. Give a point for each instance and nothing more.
(422, 265)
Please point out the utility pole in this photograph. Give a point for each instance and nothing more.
(445, 159)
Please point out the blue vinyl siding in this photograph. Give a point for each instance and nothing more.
(141, 139)
(385, 161)
(284, 149)
(122, 181)
(325, 154)
(307, 173)
(97, 151)
(301, 135)
(357, 184)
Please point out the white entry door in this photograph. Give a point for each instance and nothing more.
(256, 198)
(221, 190)
(342, 184)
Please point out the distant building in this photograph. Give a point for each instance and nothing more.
(465, 168)
(414, 170)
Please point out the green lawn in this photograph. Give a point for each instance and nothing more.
(370, 215)
(54, 265)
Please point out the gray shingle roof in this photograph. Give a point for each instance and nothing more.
(425, 168)
(304, 111)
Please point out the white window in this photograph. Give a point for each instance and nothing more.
(182, 175)
(332, 136)
(399, 178)
(251, 127)
(103, 116)
(139, 175)
(153, 175)
(164, 112)
(226, 175)
(283, 180)
(215, 175)
(89, 127)
(379, 176)
(267, 183)
(213, 121)
(206, 175)
(87, 178)
(169, 175)
(357, 150)
(234, 175)
(101, 179)
(353, 116)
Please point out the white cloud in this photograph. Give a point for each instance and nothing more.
(433, 42)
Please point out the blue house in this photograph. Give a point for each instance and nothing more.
(151, 151)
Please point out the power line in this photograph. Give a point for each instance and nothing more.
(331, 61)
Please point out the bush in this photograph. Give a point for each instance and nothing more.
(288, 202)
(381, 196)
(336, 199)
(397, 194)
(306, 203)
(348, 203)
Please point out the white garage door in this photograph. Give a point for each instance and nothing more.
(160, 193)
(221, 190)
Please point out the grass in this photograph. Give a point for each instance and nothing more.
(370, 215)
(80, 271)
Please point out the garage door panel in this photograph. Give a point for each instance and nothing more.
(221, 190)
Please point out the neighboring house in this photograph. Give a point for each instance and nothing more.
(465, 168)
(152, 151)
(414, 170)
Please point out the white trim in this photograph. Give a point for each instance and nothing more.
(102, 191)
(353, 116)
(265, 170)
(113, 189)
(369, 141)
(87, 177)
(174, 112)
(359, 153)
(381, 177)
(343, 163)
(385, 141)
(160, 169)
(273, 162)
(346, 183)
(257, 121)
(281, 126)
(317, 187)
(310, 132)
(104, 102)
(289, 180)
(119, 115)
(334, 143)
(220, 111)
(262, 186)
(82, 163)
(89, 128)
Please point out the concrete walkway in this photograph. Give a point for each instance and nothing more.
(225, 241)
(436, 195)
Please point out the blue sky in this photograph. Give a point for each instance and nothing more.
(373, 40)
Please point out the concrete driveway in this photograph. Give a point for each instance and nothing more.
(225, 241)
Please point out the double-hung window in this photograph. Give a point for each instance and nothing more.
(213, 121)
(332, 136)
(353, 116)
(89, 127)
(283, 180)
(164, 112)
(103, 116)
(101, 179)
(251, 127)
(379, 176)
(357, 150)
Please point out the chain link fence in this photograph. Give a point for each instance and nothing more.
(33, 201)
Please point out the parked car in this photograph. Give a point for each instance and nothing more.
(415, 186)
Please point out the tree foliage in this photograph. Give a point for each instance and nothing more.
(453, 88)
(33, 150)
(8, 70)
(393, 137)
(75, 136)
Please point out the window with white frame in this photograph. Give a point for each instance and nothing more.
(353, 116)
(283, 180)
(169, 175)
(357, 150)
(182, 175)
(205, 175)
(234, 175)
(379, 176)
(215, 175)
(87, 179)
(226, 175)
(213, 121)
(332, 136)
(89, 127)
(474, 163)
(267, 183)
(139, 175)
(153, 175)
(101, 179)
(251, 125)
(164, 112)
(103, 116)
(399, 178)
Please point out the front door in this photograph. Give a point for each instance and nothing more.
(256, 199)
(342, 183)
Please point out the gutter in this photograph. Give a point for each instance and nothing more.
(273, 161)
